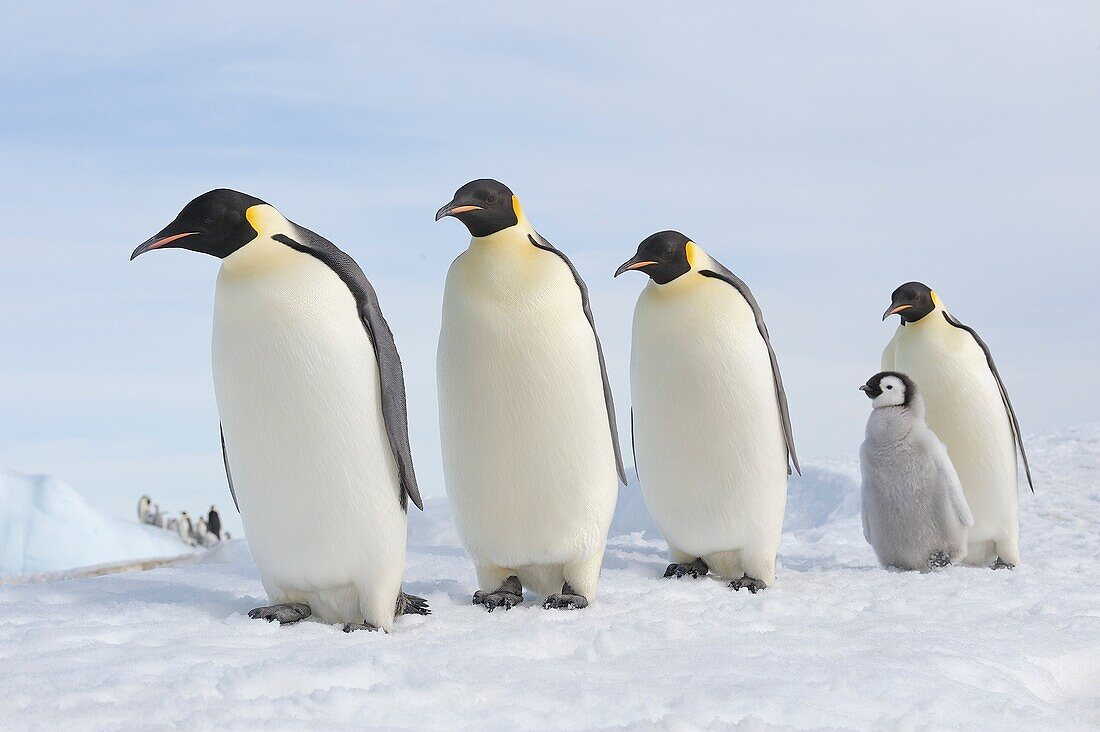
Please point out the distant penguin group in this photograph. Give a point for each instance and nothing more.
(314, 428)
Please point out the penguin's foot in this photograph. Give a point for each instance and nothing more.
(287, 614)
(507, 596)
(695, 570)
(1002, 564)
(751, 584)
(567, 599)
(938, 560)
(411, 605)
(352, 627)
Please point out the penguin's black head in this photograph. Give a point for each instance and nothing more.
(912, 301)
(890, 389)
(485, 206)
(215, 223)
(663, 256)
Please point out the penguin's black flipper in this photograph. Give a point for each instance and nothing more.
(228, 472)
(720, 272)
(390, 374)
(538, 241)
(1015, 423)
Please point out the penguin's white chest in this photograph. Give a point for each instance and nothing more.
(708, 434)
(298, 394)
(526, 442)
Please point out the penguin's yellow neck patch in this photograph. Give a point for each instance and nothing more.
(517, 208)
(265, 219)
(692, 250)
(936, 300)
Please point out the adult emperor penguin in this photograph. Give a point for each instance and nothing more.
(712, 433)
(969, 409)
(145, 510)
(915, 515)
(530, 449)
(312, 403)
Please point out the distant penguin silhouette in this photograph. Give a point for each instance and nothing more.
(200, 536)
(144, 509)
(214, 523)
(185, 528)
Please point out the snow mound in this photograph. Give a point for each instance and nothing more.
(46, 526)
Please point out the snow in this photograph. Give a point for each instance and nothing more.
(46, 526)
(837, 642)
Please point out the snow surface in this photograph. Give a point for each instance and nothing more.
(838, 642)
(46, 526)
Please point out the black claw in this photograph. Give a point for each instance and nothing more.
(411, 605)
(509, 594)
(939, 560)
(352, 627)
(696, 569)
(1002, 564)
(286, 614)
(567, 599)
(751, 584)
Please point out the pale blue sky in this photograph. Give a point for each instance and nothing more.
(825, 153)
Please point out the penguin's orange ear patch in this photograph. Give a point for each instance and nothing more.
(517, 208)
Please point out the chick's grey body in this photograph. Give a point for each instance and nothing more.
(915, 515)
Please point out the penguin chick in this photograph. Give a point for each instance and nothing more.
(915, 515)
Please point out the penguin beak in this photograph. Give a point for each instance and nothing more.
(895, 309)
(633, 263)
(454, 208)
(865, 388)
(157, 242)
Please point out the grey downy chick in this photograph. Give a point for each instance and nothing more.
(915, 515)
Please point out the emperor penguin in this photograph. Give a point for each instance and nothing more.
(311, 397)
(969, 409)
(530, 449)
(915, 515)
(186, 529)
(200, 532)
(711, 429)
(145, 510)
(214, 522)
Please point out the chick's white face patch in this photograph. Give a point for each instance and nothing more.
(893, 393)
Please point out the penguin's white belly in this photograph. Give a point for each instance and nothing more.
(526, 443)
(298, 394)
(965, 410)
(708, 435)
